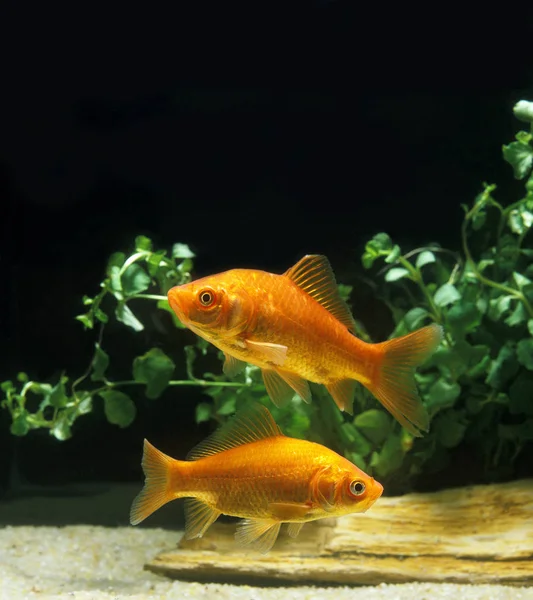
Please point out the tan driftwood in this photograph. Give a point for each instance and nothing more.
(480, 534)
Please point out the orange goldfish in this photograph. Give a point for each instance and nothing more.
(249, 469)
(296, 328)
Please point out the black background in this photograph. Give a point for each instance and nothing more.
(254, 137)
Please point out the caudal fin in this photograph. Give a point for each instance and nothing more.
(394, 383)
(155, 493)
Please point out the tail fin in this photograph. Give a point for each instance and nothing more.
(394, 384)
(155, 493)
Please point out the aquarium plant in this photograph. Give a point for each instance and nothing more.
(477, 386)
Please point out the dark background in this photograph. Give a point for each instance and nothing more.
(254, 138)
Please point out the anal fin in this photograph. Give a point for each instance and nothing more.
(294, 529)
(343, 392)
(198, 517)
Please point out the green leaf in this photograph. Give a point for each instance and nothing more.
(396, 273)
(520, 220)
(381, 242)
(520, 157)
(87, 320)
(379, 245)
(521, 396)
(115, 261)
(182, 251)
(446, 294)
(503, 367)
(415, 317)
(6, 386)
(155, 262)
(374, 424)
(228, 407)
(135, 280)
(390, 457)
(449, 429)
(523, 111)
(524, 352)
(518, 315)
(155, 369)
(99, 364)
(353, 440)
(20, 425)
(142, 243)
(463, 318)
(394, 254)
(22, 377)
(425, 258)
(124, 315)
(345, 291)
(203, 412)
(442, 394)
(499, 306)
(356, 459)
(368, 259)
(115, 282)
(119, 408)
(85, 405)
(449, 360)
(62, 428)
(101, 316)
(530, 326)
(478, 219)
(58, 398)
(520, 280)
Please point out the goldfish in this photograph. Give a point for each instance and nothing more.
(296, 328)
(248, 468)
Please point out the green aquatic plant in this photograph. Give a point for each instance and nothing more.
(477, 386)
(129, 280)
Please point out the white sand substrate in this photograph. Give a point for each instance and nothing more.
(45, 554)
(106, 563)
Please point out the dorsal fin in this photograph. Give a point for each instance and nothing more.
(314, 275)
(251, 424)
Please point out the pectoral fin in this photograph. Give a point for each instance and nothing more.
(260, 534)
(272, 353)
(289, 511)
(232, 366)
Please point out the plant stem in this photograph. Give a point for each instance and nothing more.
(184, 382)
(150, 296)
(416, 276)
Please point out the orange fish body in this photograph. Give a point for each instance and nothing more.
(249, 469)
(296, 328)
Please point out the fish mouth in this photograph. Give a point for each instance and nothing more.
(174, 299)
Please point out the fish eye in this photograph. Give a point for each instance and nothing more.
(357, 488)
(206, 297)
